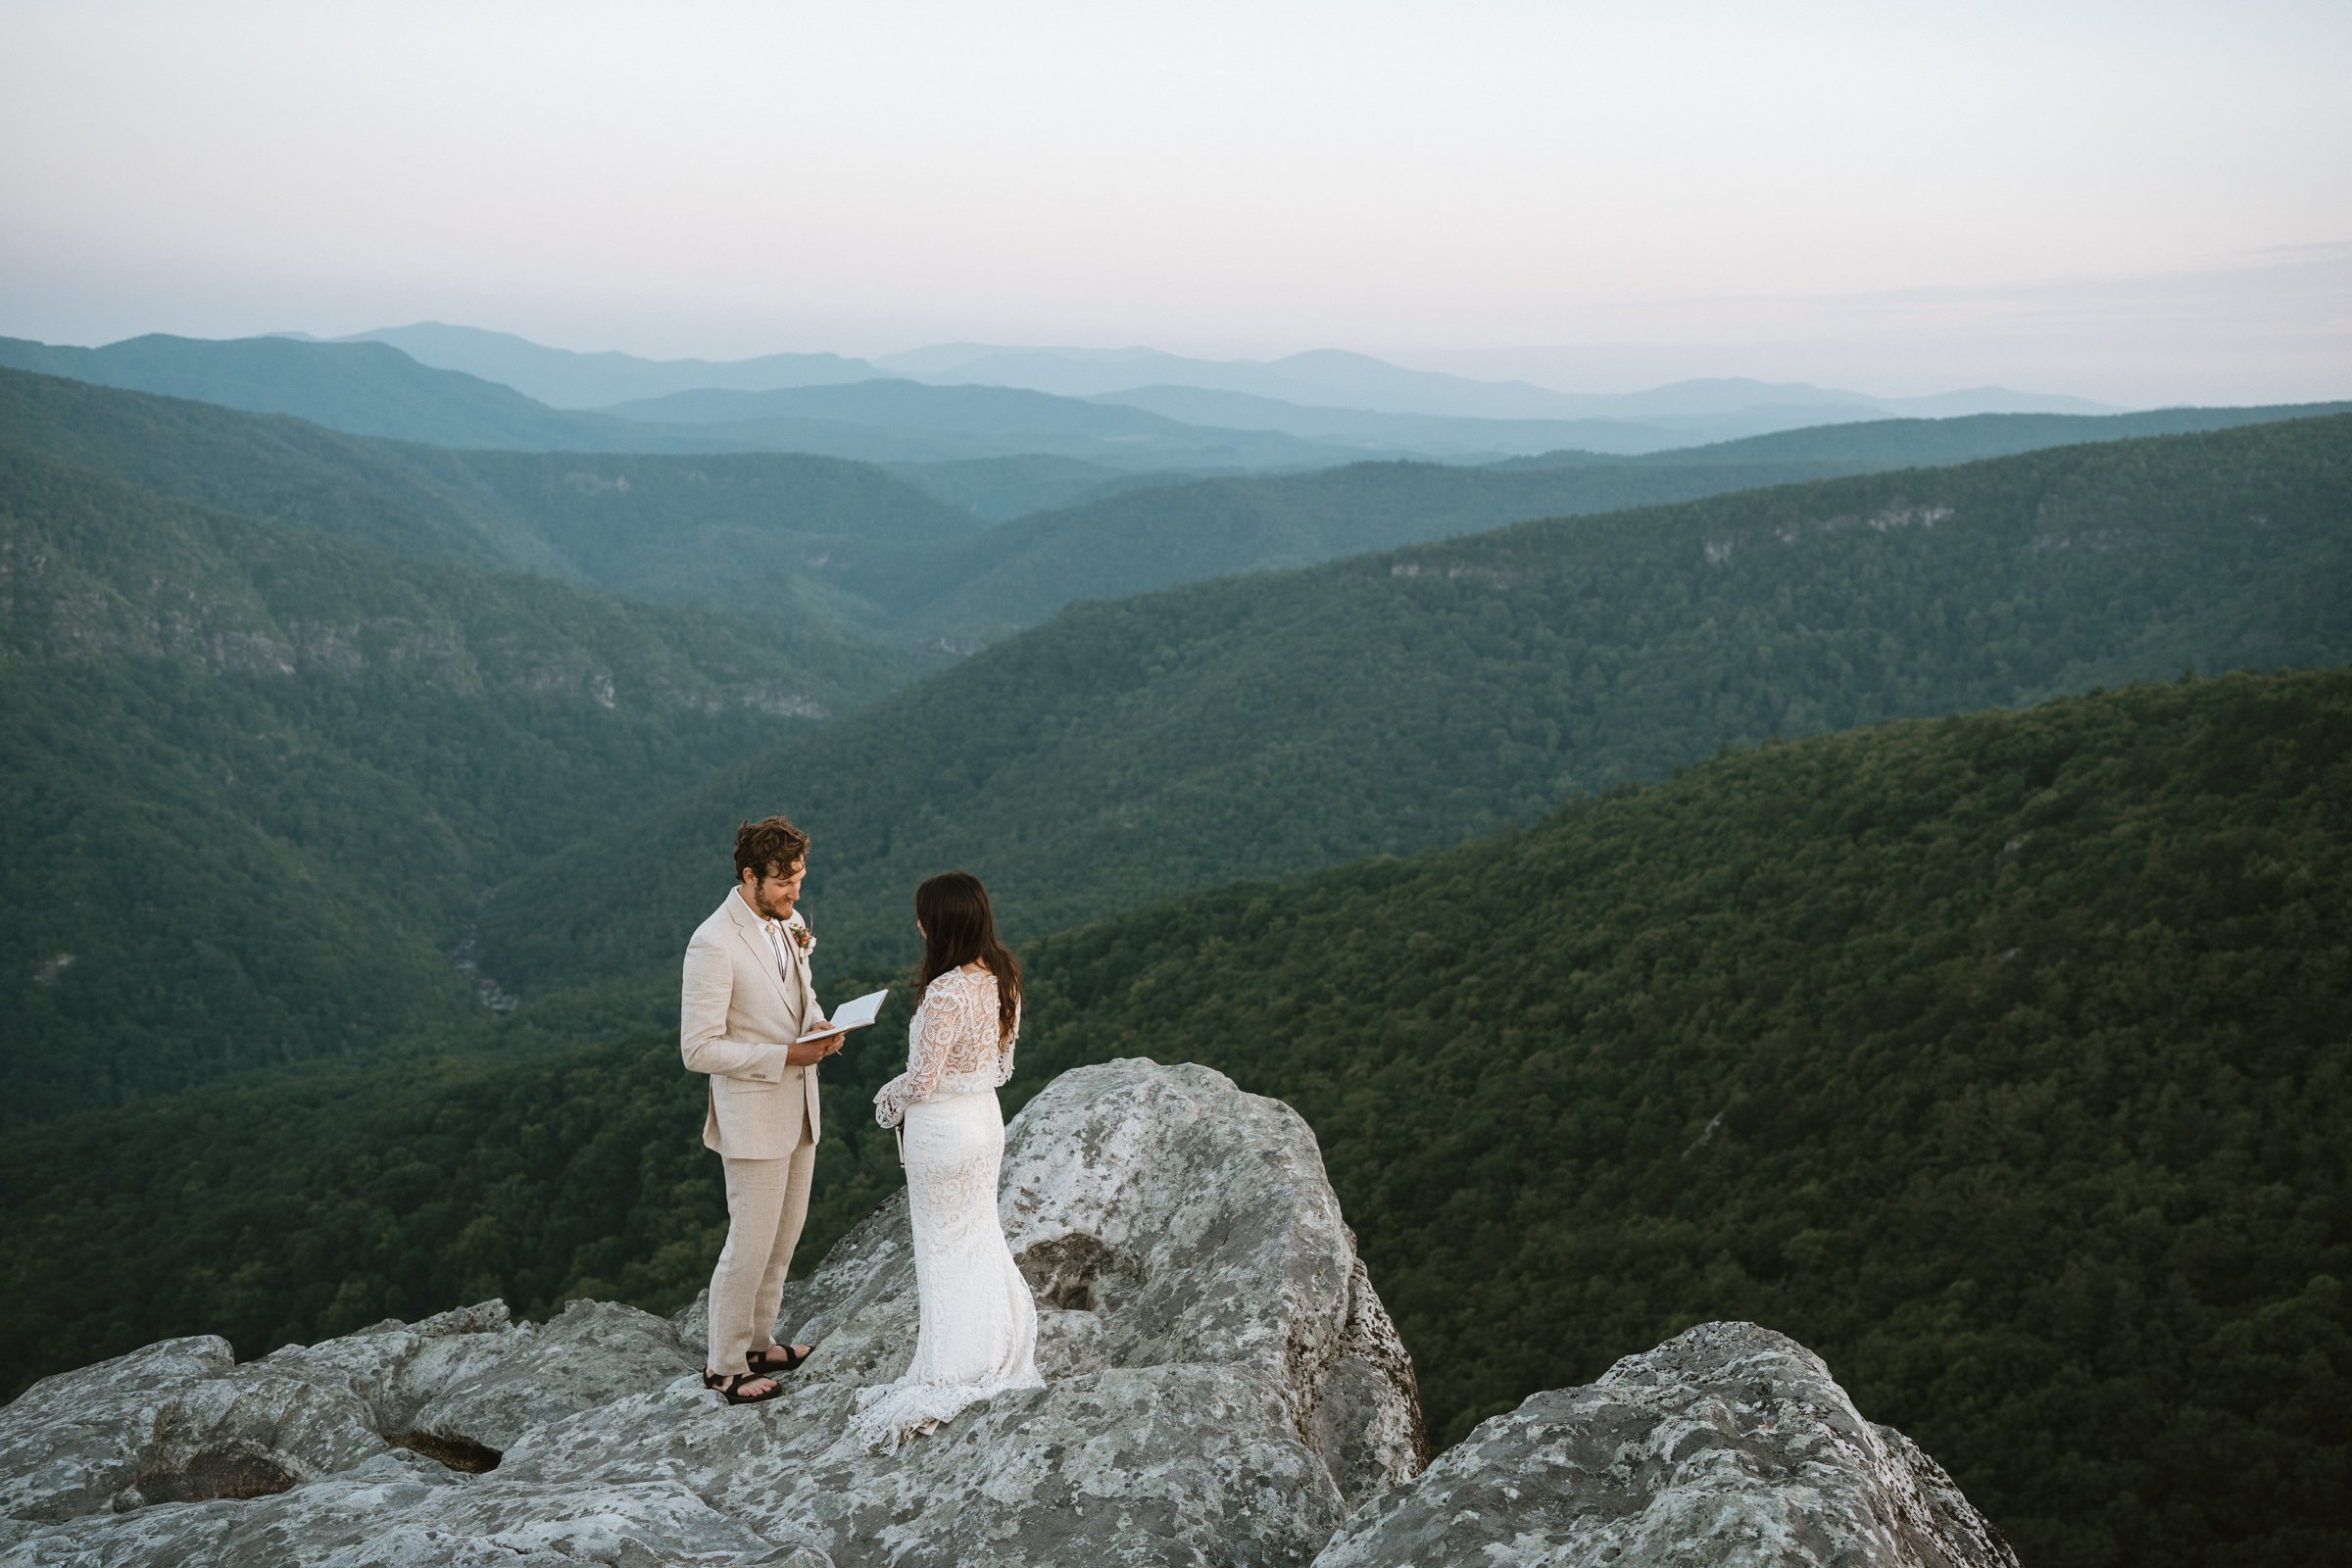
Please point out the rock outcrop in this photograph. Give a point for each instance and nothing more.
(1728, 1446)
(1223, 1387)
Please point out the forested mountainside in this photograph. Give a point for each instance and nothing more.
(827, 543)
(742, 527)
(695, 527)
(896, 420)
(1169, 533)
(1461, 437)
(1929, 443)
(2001, 1059)
(1262, 725)
(1025, 571)
(821, 541)
(257, 778)
(406, 499)
(810, 538)
(1000, 488)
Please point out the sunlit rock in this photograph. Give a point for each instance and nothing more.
(1728, 1446)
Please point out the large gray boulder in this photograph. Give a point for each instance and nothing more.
(1222, 1384)
(1728, 1446)
(364, 1452)
(1223, 1387)
(182, 1420)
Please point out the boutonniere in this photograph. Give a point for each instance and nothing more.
(801, 937)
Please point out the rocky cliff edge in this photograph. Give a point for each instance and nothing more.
(1223, 1388)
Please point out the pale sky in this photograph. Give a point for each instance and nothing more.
(2143, 202)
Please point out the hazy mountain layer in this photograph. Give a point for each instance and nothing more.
(756, 530)
(1330, 379)
(565, 380)
(365, 388)
(2000, 1056)
(1255, 726)
(1442, 436)
(1658, 430)
(819, 404)
(374, 389)
(1924, 443)
(1323, 377)
(898, 420)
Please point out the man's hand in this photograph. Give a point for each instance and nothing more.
(808, 1053)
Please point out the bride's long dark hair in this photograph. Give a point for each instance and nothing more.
(959, 927)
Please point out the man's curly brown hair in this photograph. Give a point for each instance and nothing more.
(769, 847)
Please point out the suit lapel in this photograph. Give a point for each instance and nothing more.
(747, 929)
(800, 972)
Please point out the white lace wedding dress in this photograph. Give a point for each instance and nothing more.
(978, 1335)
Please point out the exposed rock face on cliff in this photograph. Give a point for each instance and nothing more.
(1223, 1387)
(1728, 1446)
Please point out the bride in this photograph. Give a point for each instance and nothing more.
(978, 1335)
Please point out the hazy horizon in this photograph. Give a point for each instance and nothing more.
(2137, 205)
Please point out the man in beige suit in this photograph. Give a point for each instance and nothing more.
(744, 1005)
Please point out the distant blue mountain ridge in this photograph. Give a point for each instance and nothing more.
(1303, 395)
(563, 379)
(465, 387)
(370, 388)
(1337, 379)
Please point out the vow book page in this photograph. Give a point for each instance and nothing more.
(851, 1015)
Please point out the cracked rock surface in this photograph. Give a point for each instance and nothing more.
(1223, 1387)
(1730, 1446)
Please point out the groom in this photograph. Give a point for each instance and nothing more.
(744, 1003)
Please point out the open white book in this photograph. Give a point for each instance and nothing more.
(851, 1015)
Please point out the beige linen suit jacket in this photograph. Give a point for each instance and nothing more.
(738, 1014)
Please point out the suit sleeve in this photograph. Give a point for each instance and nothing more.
(703, 993)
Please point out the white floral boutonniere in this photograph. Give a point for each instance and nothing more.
(801, 937)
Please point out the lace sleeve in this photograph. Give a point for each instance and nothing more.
(1004, 1049)
(940, 1020)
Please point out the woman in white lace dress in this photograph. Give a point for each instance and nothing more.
(978, 1334)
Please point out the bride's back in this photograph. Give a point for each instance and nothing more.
(955, 1024)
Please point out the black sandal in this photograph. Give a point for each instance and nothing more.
(775, 1358)
(730, 1385)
